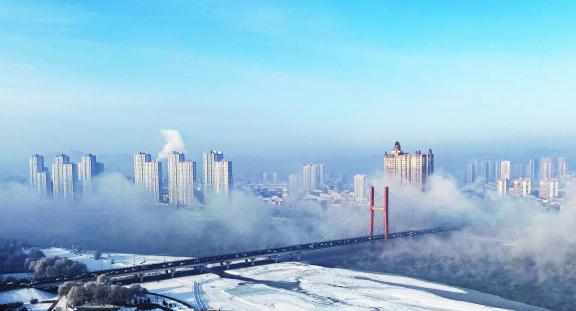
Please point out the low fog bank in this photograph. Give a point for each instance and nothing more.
(116, 217)
(511, 247)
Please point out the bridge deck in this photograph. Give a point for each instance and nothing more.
(197, 262)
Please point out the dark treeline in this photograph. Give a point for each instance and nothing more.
(14, 254)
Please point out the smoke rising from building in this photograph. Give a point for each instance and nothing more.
(173, 142)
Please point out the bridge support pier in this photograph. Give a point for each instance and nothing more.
(298, 256)
(141, 275)
(252, 261)
(172, 272)
(276, 259)
(227, 265)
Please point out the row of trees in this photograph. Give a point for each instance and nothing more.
(13, 256)
(100, 292)
(54, 267)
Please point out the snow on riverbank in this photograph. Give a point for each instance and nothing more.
(24, 295)
(298, 286)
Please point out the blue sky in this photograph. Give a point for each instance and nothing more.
(254, 77)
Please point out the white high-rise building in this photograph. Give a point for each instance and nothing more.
(173, 158)
(562, 166)
(88, 168)
(502, 186)
(361, 187)
(148, 175)
(548, 189)
(505, 170)
(545, 168)
(313, 177)
(522, 186)
(181, 179)
(185, 182)
(471, 172)
(39, 177)
(139, 160)
(35, 166)
(208, 160)
(409, 168)
(222, 176)
(275, 178)
(44, 183)
(532, 170)
(63, 177)
(152, 180)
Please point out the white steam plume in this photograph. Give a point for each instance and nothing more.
(174, 142)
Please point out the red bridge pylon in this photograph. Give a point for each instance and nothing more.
(384, 209)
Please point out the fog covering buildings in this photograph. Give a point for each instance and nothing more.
(409, 168)
(181, 179)
(148, 175)
(39, 176)
(361, 187)
(312, 177)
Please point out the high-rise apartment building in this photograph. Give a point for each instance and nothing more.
(208, 160)
(562, 166)
(470, 172)
(148, 175)
(35, 166)
(139, 160)
(63, 177)
(484, 173)
(39, 177)
(502, 186)
(88, 168)
(313, 177)
(181, 179)
(173, 158)
(409, 168)
(522, 186)
(152, 180)
(185, 182)
(505, 170)
(222, 176)
(545, 168)
(360, 187)
(44, 183)
(532, 170)
(548, 189)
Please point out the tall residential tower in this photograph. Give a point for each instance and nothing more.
(63, 177)
(181, 179)
(409, 168)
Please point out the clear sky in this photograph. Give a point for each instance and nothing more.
(289, 76)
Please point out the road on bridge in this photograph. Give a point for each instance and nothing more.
(170, 267)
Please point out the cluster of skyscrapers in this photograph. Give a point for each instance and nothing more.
(182, 184)
(66, 179)
(311, 177)
(537, 177)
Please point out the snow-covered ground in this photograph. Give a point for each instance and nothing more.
(24, 295)
(290, 286)
(298, 286)
(107, 260)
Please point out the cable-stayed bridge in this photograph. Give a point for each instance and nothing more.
(372, 231)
